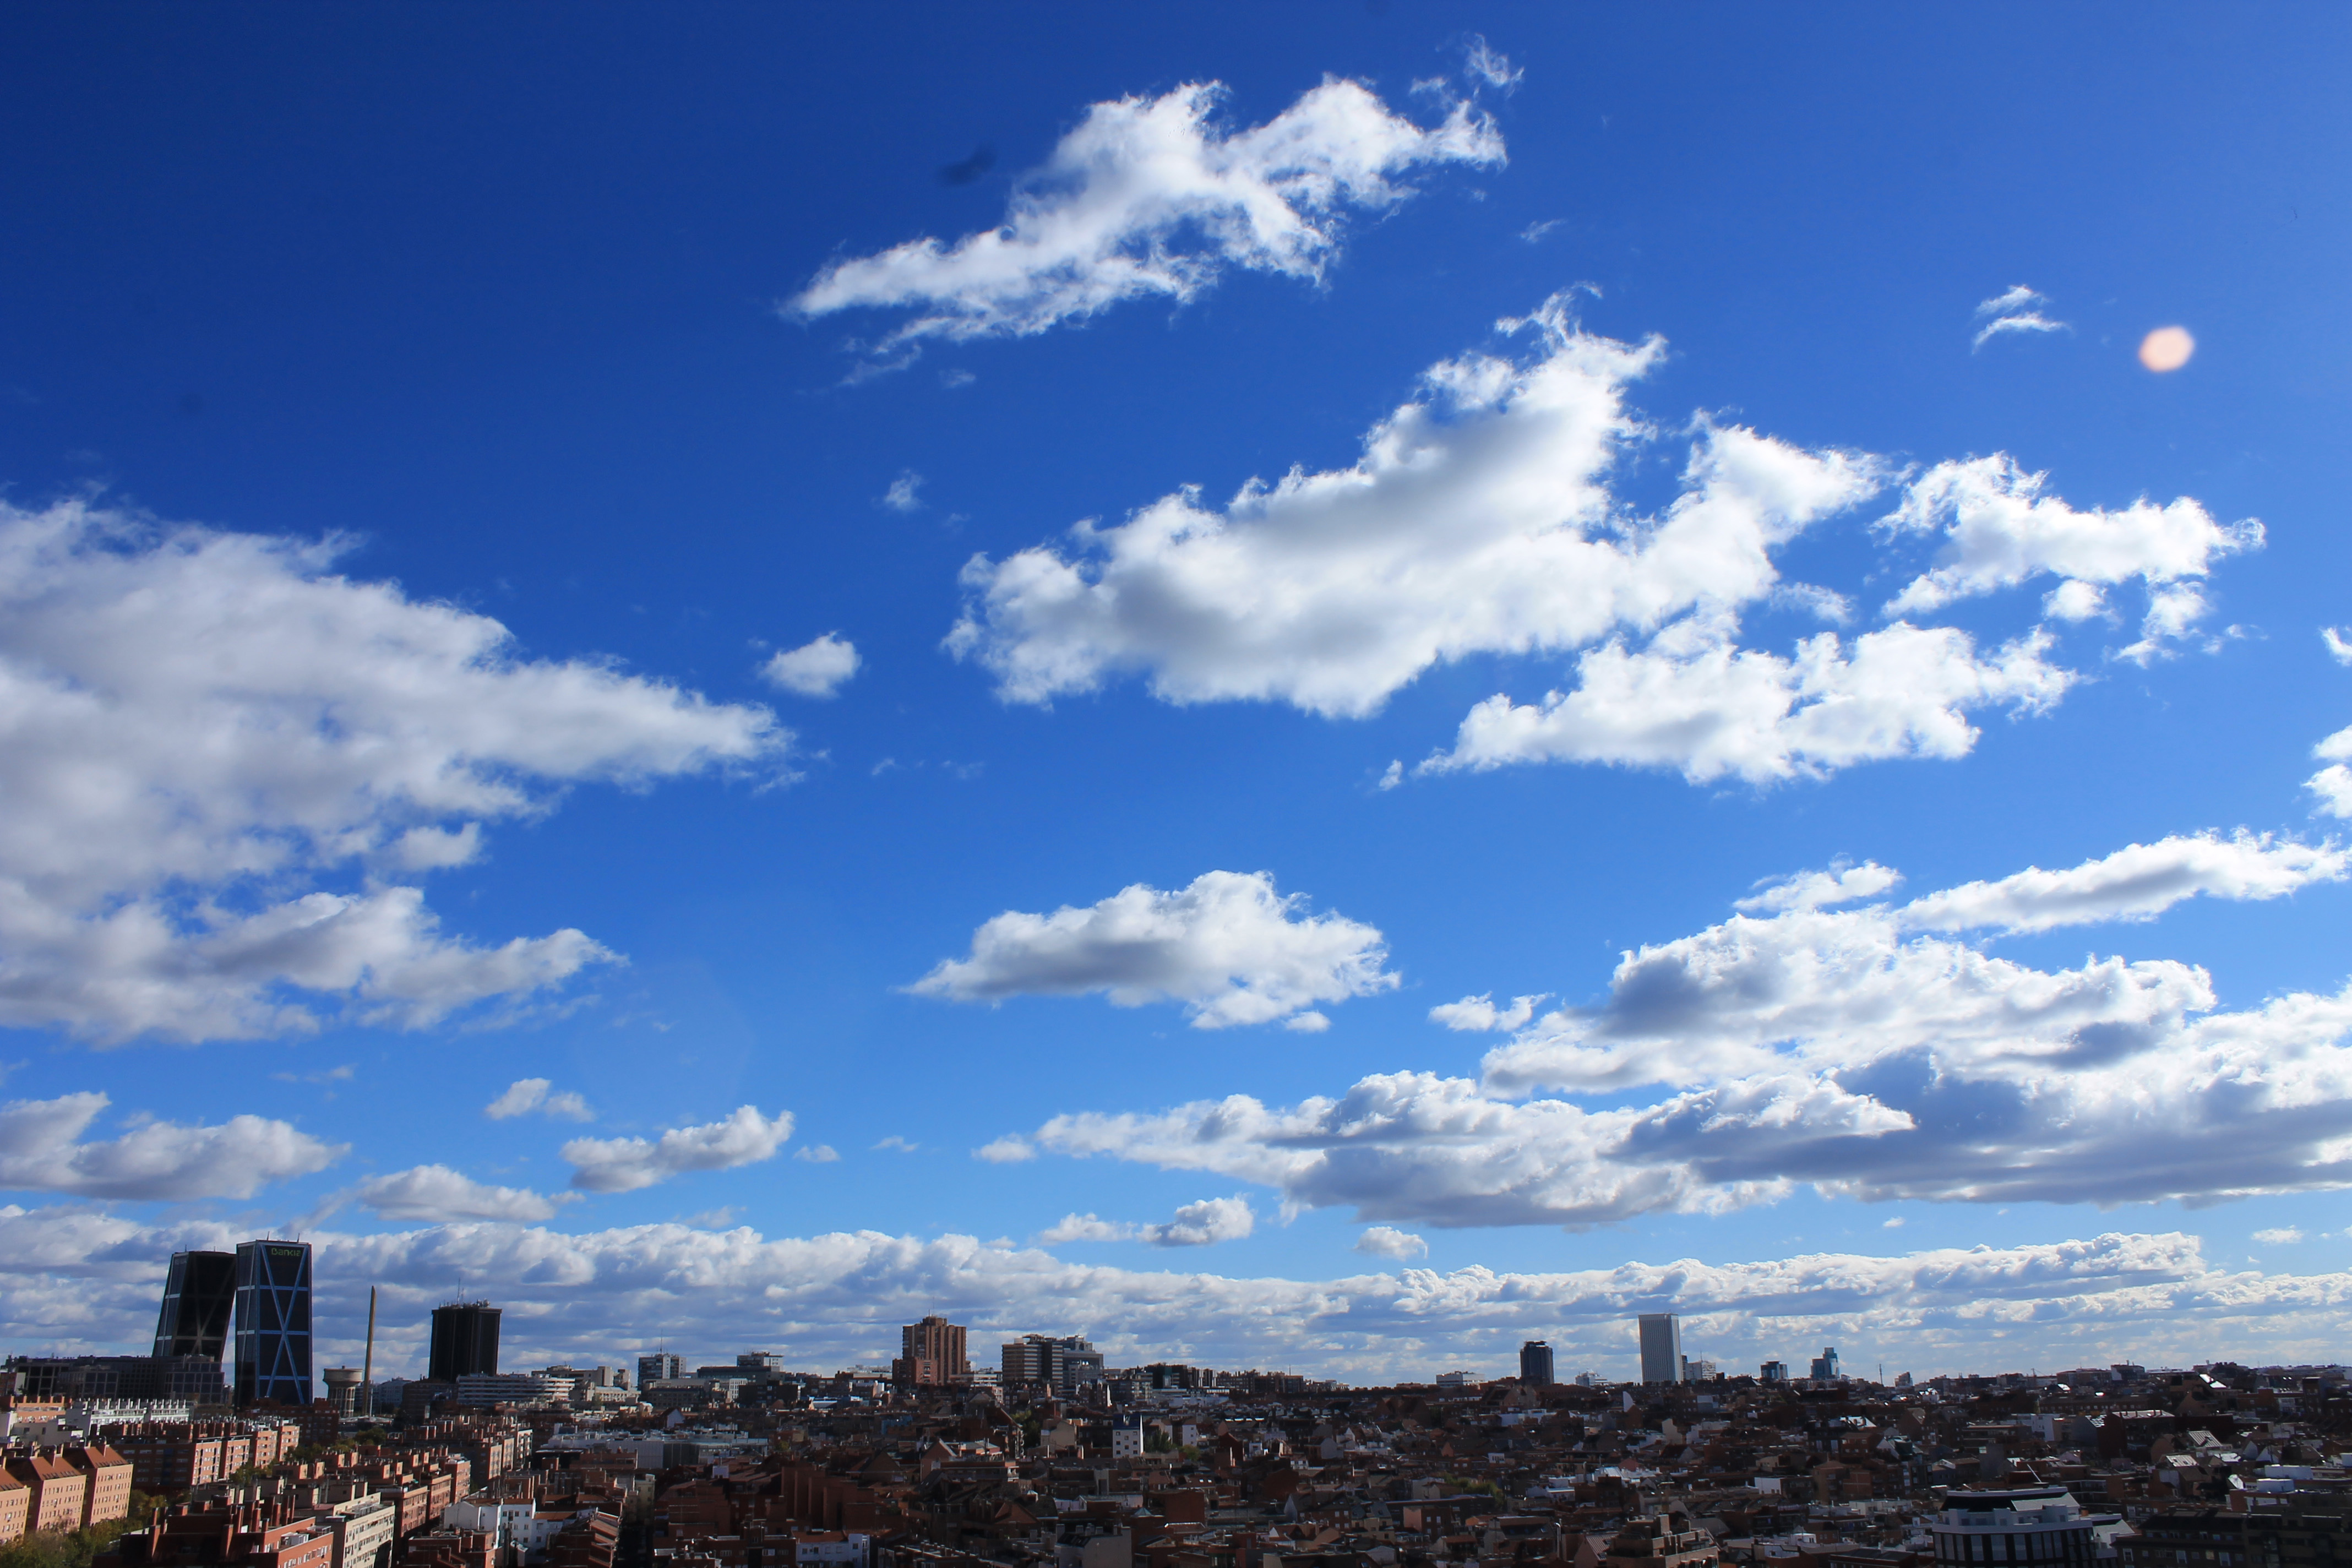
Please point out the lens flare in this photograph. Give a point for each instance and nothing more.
(2167, 348)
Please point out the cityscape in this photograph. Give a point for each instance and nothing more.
(219, 1449)
(1352, 784)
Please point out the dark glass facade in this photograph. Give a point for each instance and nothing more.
(1535, 1363)
(465, 1341)
(273, 1322)
(198, 1295)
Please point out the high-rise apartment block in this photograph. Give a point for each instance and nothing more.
(1535, 1363)
(1063, 1366)
(273, 1322)
(199, 1294)
(659, 1367)
(465, 1341)
(931, 1354)
(1661, 1348)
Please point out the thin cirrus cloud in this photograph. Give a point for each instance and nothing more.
(816, 668)
(197, 729)
(436, 1192)
(1150, 196)
(1861, 1051)
(1202, 1224)
(77, 1276)
(530, 1096)
(1483, 518)
(1228, 947)
(42, 1149)
(2015, 310)
(627, 1164)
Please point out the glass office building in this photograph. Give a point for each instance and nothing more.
(198, 1295)
(273, 1322)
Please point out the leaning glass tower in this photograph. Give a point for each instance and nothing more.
(273, 1322)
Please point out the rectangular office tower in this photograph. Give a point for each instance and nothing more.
(465, 1341)
(198, 1296)
(1535, 1363)
(1661, 1348)
(273, 1322)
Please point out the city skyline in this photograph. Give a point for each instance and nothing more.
(1327, 691)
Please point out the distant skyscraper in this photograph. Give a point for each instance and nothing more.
(199, 1294)
(930, 1354)
(659, 1367)
(1773, 1372)
(1825, 1365)
(1661, 1348)
(273, 1322)
(465, 1341)
(1535, 1363)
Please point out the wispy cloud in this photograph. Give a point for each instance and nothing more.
(2017, 310)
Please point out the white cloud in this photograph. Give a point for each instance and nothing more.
(1478, 520)
(895, 1141)
(1479, 1012)
(818, 668)
(2334, 784)
(1229, 947)
(1695, 701)
(2285, 1236)
(1009, 1150)
(2000, 529)
(2017, 310)
(1849, 1050)
(902, 495)
(41, 1150)
(80, 1278)
(2074, 600)
(1148, 196)
(1486, 66)
(626, 1164)
(1819, 889)
(1388, 1241)
(1203, 1223)
(2339, 643)
(2138, 882)
(197, 729)
(526, 1095)
(434, 1192)
(816, 1153)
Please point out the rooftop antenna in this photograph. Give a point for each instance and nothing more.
(367, 1361)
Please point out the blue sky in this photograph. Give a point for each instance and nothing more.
(422, 434)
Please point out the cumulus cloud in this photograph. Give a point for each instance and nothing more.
(2138, 882)
(904, 492)
(1010, 1149)
(2333, 784)
(1388, 1241)
(1479, 1013)
(818, 668)
(1202, 1224)
(2016, 310)
(1695, 701)
(198, 729)
(1229, 947)
(1999, 530)
(1820, 889)
(1151, 196)
(437, 1192)
(1478, 520)
(817, 1153)
(626, 1164)
(2283, 1236)
(76, 1278)
(42, 1149)
(1860, 1051)
(526, 1095)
